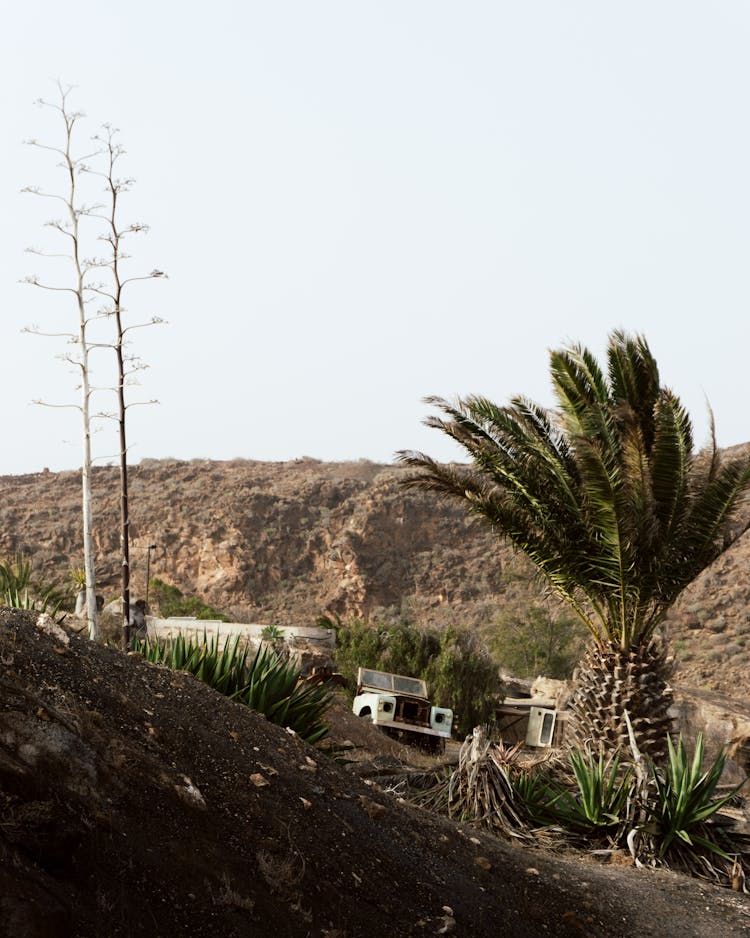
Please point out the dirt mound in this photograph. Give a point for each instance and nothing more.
(135, 801)
(367, 740)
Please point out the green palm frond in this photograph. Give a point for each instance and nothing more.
(605, 495)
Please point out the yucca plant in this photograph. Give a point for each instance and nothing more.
(682, 811)
(606, 496)
(266, 683)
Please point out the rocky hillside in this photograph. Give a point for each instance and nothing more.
(285, 542)
(136, 801)
(268, 541)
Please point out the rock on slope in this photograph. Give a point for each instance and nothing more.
(135, 801)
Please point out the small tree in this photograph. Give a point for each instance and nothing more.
(537, 641)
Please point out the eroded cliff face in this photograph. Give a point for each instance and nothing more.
(270, 541)
(286, 542)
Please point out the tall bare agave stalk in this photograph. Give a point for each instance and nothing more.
(113, 295)
(69, 229)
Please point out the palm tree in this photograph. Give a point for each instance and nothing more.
(606, 496)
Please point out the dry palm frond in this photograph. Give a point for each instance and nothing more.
(480, 789)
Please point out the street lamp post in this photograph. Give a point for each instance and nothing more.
(148, 568)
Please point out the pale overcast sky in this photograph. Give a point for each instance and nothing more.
(362, 203)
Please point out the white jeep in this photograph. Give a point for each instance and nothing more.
(400, 707)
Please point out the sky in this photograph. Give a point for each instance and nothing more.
(359, 204)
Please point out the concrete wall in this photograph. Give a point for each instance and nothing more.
(249, 633)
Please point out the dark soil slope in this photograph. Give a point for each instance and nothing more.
(134, 801)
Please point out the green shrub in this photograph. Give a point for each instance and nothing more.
(466, 677)
(171, 602)
(536, 641)
(458, 671)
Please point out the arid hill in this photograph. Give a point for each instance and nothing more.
(268, 541)
(285, 542)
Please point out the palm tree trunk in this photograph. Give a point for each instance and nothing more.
(610, 681)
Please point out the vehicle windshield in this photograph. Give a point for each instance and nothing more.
(409, 685)
(394, 683)
(376, 679)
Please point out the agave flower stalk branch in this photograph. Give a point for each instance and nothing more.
(112, 237)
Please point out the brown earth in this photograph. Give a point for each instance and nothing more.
(284, 542)
(136, 801)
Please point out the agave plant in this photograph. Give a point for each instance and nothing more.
(677, 824)
(20, 589)
(598, 807)
(272, 634)
(266, 683)
(682, 811)
(16, 573)
(202, 658)
(274, 687)
(603, 792)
